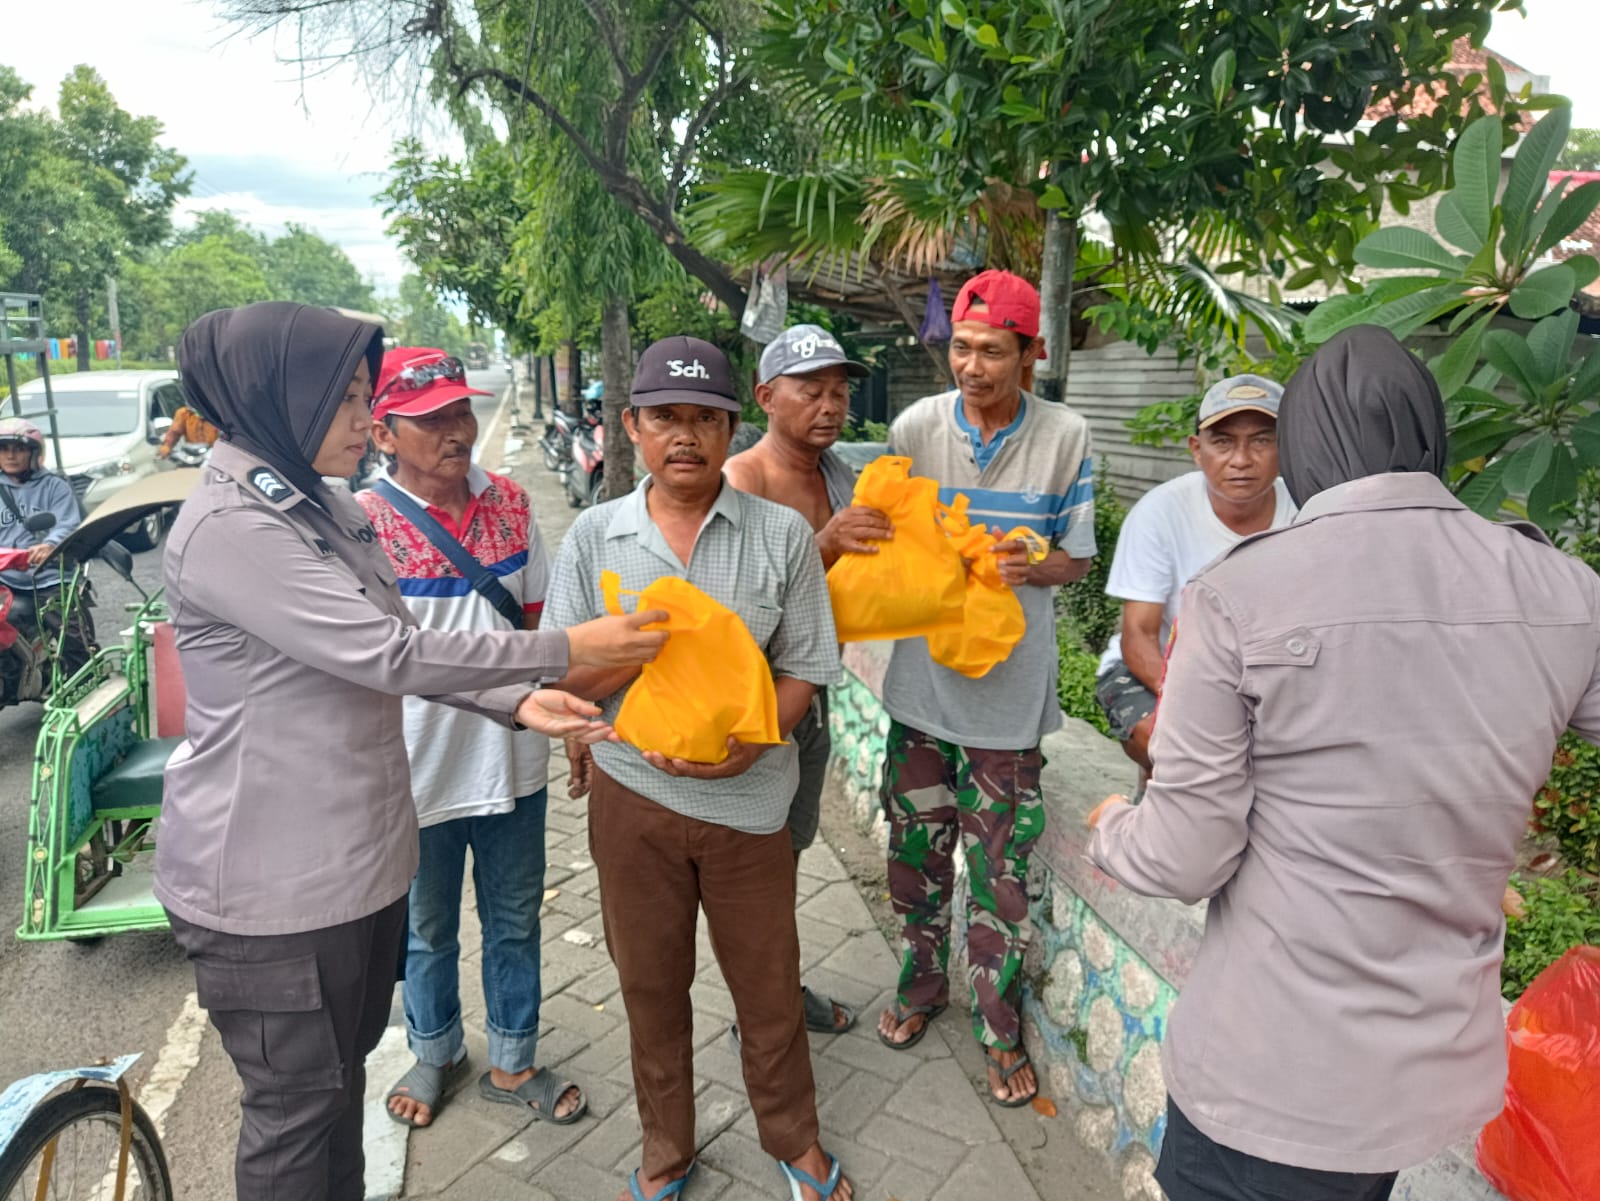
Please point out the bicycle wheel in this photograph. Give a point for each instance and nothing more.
(86, 1125)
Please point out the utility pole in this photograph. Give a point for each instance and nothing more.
(116, 319)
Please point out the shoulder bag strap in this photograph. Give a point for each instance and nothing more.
(479, 576)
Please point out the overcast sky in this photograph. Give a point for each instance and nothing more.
(275, 149)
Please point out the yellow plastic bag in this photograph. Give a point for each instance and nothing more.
(709, 683)
(916, 583)
(992, 622)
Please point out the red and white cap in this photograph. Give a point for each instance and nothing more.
(415, 380)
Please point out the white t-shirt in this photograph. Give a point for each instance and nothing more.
(1167, 537)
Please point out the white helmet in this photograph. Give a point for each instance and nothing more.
(15, 429)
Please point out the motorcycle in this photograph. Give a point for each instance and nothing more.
(33, 663)
(556, 442)
(586, 465)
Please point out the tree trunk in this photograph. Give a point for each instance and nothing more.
(536, 367)
(616, 368)
(572, 402)
(1055, 295)
(85, 347)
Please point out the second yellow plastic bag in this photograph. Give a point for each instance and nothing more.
(710, 682)
(992, 622)
(916, 583)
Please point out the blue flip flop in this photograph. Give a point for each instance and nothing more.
(668, 1191)
(796, 1177)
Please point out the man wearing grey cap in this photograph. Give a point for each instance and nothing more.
(1176, 529)
(804, 389)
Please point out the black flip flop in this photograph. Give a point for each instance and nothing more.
(1023, 1061)
(902, 1015)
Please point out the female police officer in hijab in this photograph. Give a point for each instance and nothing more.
(288, 837)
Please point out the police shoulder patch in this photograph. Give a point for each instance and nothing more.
(268, 484)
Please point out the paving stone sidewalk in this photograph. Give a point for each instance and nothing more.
(907, 1125)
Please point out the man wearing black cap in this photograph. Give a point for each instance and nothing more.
(671, 837)
(804, 389)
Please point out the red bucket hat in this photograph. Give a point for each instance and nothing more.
(414, 380)
(1010, 302)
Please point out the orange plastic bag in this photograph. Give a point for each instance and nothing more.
(709, 683)
(916, 583)
(992, 622)
(1544, 1145)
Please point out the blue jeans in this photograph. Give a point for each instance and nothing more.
(508, 873)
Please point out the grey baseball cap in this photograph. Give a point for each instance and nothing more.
(802, 349)
(1239, 394)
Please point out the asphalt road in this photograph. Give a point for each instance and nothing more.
(66, 1005)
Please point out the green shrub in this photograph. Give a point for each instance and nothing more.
(1568, 806)
(1093, 614)
(1075, 687)
(1562, 912)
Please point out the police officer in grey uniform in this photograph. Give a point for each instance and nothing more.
(288, 837)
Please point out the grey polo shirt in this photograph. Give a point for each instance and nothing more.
(753, 556)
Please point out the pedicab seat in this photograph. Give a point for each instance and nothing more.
(135, 783)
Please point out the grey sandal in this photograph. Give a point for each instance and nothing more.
(425, 1084)
(903, 1014)
(819, 1013)
(539, 1094)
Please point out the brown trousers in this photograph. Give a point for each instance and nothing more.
(657, 868)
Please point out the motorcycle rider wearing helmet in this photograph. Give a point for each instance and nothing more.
(27, 488)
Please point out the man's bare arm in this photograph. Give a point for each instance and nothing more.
(1141, 642)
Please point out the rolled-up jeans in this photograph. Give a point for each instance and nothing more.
(508, 861)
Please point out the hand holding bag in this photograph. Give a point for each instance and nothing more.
(711, 682)
(916, 583)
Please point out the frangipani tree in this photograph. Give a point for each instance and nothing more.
(1524, 406)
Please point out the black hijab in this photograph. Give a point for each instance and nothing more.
(1362, 405)
(270, 376)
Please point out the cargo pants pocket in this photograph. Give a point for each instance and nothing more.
(273, 1023)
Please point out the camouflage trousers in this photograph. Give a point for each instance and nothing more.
(939, 796)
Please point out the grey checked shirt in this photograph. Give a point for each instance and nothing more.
(753, 556)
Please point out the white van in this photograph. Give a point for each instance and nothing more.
(111, 424)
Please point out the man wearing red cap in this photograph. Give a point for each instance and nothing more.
(963, 763)
(467, 553)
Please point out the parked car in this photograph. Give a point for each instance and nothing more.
(110, 423)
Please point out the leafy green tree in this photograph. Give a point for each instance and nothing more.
(418, 319)
(303, 267)
(1582, 151)
(127, 184)
(1181, 122)
(630, 87)
(1525, 407)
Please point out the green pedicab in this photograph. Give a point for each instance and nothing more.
(102, 749)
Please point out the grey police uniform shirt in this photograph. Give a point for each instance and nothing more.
(288, 807)
(757, 558)
(1357, 711)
